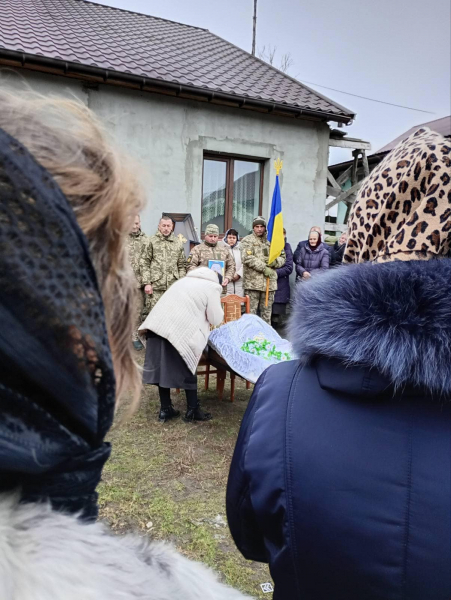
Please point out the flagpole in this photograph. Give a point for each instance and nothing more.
(278, 167)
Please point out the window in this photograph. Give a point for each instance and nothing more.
(231, 192)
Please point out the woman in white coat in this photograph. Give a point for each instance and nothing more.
(232, 239)
(176, 333)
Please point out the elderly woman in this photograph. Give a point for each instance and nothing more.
(176, 333)
(312, 257)
(67, 202)
(341, 477)
(336, 255)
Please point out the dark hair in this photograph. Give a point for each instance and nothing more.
(232, 232)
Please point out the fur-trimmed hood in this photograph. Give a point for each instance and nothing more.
(393, 317)
(46, 554)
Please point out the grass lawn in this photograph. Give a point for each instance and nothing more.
(168, 481)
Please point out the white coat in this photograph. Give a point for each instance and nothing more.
(48, 555)
(184, 313)
(236, 287)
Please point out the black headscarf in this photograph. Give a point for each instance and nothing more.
(57, 386)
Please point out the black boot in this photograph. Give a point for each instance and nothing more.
(196, 414)
(194, 411)
(167, 411)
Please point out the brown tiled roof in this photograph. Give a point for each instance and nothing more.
(442, 126)
(122, 42)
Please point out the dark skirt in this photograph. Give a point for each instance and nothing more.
(164, 366)
(279, 309)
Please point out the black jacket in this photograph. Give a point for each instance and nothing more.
(282, 295)
(341, 477)
(336, 254)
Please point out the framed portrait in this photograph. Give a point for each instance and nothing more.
(219, 267)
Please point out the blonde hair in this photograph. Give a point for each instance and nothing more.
(67, 139)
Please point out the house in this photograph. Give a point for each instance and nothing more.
(205, 119)
(343, 172)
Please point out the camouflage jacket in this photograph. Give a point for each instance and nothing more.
(136, 243)
(162, 261)
(201, 254)
(255, 254)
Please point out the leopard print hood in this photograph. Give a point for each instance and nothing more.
(403, 210)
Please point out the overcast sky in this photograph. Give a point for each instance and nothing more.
(397, 51)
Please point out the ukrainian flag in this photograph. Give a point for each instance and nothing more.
(275, 225)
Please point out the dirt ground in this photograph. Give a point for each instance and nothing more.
(167, 481)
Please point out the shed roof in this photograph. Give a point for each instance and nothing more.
(442, 126)
(83, 35)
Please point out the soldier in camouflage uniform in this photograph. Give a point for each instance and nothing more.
(211, 250)
(162, 261)
(256, 271)
(136, 242)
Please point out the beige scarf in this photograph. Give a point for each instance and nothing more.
(403, 210)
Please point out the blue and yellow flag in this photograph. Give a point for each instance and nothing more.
(275, 223)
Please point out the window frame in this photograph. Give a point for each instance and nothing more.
(230, 159)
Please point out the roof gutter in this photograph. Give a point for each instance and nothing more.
(75, 69)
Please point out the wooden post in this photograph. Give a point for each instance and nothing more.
(267, 292)
(355, 154)
(348, 211)
(366, 168)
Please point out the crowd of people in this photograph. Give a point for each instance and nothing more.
(179, 298)
(159, 261)
(341, 476)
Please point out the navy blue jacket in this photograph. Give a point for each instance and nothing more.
(312, 260)
(304, 243)
(341, 477)
(283, 277)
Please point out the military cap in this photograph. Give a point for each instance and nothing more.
(211, 229)
(259, 221)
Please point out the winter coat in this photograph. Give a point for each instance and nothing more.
(312, 260)
(136, 244)
(305, 243)
(283, 277)
(336, 255)
(184, 313)
(162, 261)
(49, 555)
(236, 287)
(255, 254)
(341, 477)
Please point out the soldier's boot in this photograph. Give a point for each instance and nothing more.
(167, 411)
(194, 412)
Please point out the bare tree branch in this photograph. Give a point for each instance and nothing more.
(286, 62)
(268, 54)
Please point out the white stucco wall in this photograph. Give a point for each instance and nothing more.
(168, 136)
